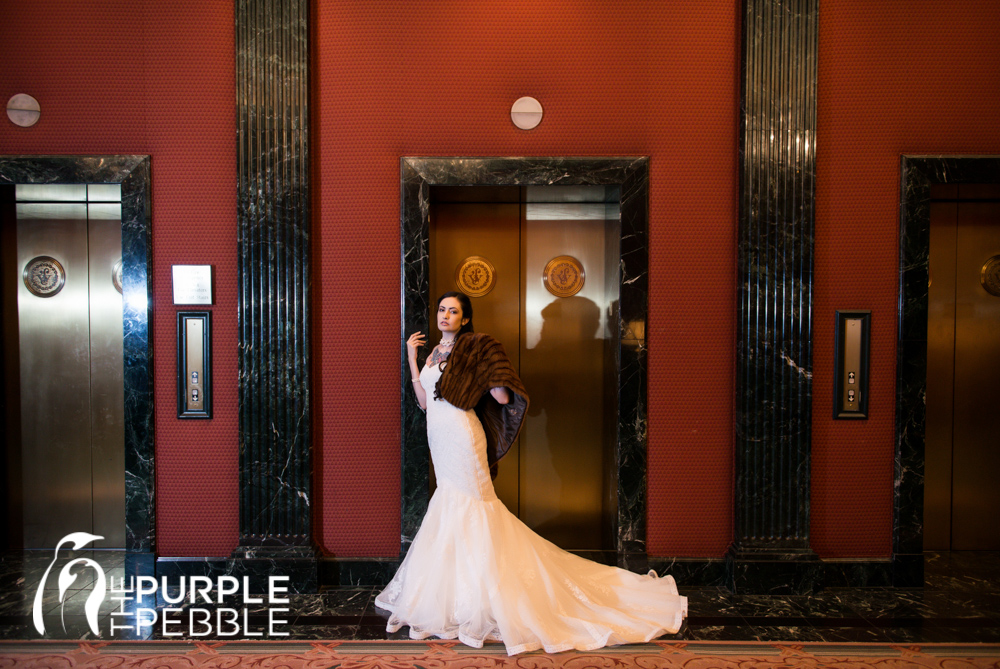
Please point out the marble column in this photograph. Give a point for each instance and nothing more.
(272, 90)
(770, 551)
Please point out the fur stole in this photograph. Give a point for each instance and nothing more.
(477, 364)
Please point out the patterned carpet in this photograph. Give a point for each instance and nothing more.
(446, 654)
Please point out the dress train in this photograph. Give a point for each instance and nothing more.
(475, 572)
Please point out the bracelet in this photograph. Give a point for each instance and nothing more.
(415, 381)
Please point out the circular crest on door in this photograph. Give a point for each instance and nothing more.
(563, 276)
(475, 276)
(44, 276)
(116, 275)
(990, 276)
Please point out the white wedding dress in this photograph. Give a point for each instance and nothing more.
(476, 572)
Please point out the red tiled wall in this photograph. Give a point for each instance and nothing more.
(430, 78)
(157, 78)
(437, 78)
(895, 77)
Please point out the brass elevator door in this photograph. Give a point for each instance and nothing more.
(557, 478)
(70, 361)
(489, 230)
(962, 498)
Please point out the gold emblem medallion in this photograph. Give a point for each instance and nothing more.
(44, 276)
(990, 276)
(475, 276)
(563, 276)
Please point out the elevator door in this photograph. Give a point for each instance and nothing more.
(69, 313)
(557, 477)
(962, 498)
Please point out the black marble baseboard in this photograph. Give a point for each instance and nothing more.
(834, 573)
(855, 573)
(908, 570)
(691, 572)
(337, 573)
(140, 564)
(810, 576)
(773, 572)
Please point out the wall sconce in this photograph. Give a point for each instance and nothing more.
(526, 113)
(23, 110)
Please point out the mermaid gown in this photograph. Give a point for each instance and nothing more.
(475, 572)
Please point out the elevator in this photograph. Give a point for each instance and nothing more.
(541, 264)
(962, 466)
(63, 362)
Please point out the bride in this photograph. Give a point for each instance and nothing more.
(474, 571)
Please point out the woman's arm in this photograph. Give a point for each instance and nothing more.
(415, 341)
(500, 394)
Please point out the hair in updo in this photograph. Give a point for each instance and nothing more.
(466, 303)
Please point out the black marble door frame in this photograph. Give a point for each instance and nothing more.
(917, 174)
(630, 175)
(133, 173)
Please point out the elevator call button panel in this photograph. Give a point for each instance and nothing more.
(853, 342)
(194, 364)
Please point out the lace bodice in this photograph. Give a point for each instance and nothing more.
(457, 443)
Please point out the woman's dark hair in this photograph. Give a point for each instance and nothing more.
(466, 303)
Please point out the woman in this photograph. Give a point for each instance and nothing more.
(476, 572)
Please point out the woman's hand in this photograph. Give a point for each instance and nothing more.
(500, 394)
(415, 341)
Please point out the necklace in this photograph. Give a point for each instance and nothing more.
(450, 342)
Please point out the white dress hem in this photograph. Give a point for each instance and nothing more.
(475, 572)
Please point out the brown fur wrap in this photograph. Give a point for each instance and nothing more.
(476, 364)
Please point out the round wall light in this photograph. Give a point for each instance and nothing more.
(526, 113)
(23, 110)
